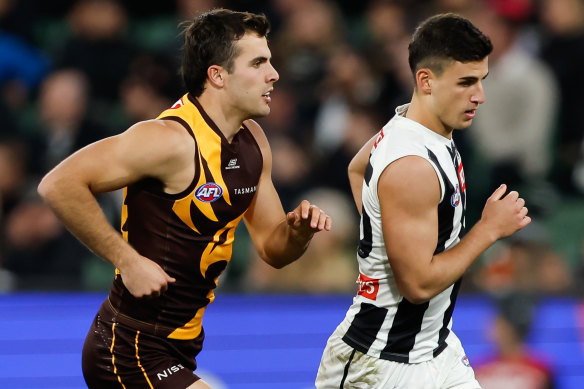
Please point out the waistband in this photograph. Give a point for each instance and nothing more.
(111, 313)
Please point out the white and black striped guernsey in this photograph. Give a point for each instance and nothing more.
(381, 322)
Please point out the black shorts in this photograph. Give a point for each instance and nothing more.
(118, 356)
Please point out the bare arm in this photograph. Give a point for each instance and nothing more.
(409, 193)
(356, 171)
(279, 238)
(110, 164)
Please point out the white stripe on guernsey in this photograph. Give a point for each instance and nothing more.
(440, 179)
(381, 340)
(431, 324)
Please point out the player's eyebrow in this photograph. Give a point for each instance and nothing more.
(472, 79)
(259, 60)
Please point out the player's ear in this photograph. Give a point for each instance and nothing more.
(216, 76)
(424, 80)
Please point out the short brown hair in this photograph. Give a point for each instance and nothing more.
(209, 40)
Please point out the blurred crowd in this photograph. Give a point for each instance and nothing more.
(73, 72)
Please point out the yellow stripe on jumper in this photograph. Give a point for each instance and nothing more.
(113, 357)
(139, 364)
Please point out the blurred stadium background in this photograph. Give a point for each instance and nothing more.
(74, 71)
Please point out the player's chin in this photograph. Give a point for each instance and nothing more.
(464, 124)
(260, 113)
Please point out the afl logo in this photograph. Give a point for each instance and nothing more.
(208, 192)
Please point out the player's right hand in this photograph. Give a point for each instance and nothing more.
(145, 278)
(505, 215)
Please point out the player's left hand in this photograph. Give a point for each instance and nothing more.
(307, 219)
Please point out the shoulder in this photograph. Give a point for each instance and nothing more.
(157, 145)
(167, 134)
(411, 170)
(410, 180)
(258, 134)
(400, 131)
(397, 140)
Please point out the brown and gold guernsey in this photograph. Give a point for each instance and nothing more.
(189, 234)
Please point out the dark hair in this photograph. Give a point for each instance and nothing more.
(446, 37)
(209, 39)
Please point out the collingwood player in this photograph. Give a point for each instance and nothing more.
(409, 185)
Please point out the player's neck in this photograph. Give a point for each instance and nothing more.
(228, 121)
(420, 111)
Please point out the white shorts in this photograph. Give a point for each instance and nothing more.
(342, 366)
